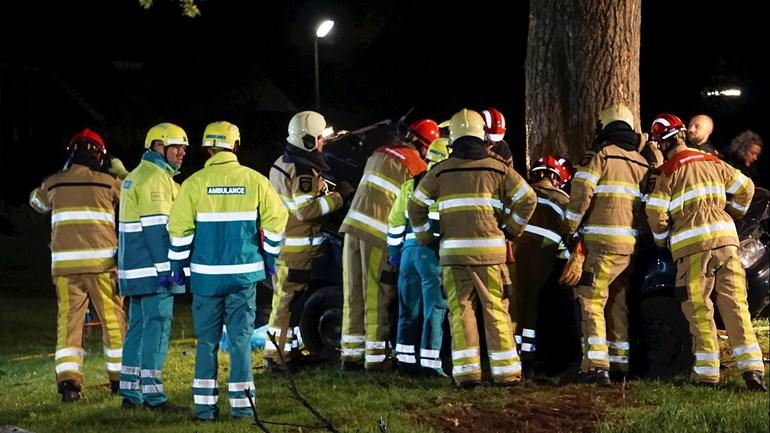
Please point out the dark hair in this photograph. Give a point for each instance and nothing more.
(743, 141)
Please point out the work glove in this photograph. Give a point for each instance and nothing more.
(178, 278)
(165, 281)
(117, 168)
(570, 276)
(394, 260)
(346, 190)
(269, 265)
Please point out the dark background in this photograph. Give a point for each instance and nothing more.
(117, 68)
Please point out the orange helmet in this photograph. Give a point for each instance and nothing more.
(550, 164)
(425, 130)
(89, 139)
(494, 124)
(666, 126)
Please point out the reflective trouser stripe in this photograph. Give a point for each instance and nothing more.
(284, 292)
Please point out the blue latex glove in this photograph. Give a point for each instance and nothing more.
(270, 265)
(165, 281)
(394, 260)
(178, 278)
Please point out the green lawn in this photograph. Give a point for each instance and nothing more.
(353, 401)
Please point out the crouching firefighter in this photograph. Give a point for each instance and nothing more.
(689, 212)
(297, 178)
(368, 281)
(478, 198)
(605, 194)
(421, 303)
(536, 252)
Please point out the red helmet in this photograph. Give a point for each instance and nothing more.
(425, 130)
(665, 126)
(569, 170)
(494, 124)
(93, 141)
(552, 165)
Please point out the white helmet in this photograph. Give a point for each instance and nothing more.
(304, 130)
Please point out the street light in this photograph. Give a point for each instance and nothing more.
(321, 31)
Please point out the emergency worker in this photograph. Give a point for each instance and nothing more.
(144, 270)
(216, 223)
(494, 127)
(536, 252)
(689, 213)
(480, 200)
(604, 198)
(82, 200)
(699, 134)
(368, 279)
(296, 176)
(421, 303)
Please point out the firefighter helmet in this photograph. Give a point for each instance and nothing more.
(665, 126)
(437, 151)
(425, 131)
(168, 133)
(466, 123)
(553, 166)
(614, 113)
(222, 135)
(494, 124)
(304, 130)
(87, 139)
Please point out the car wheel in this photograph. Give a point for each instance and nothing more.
(665, 341)
(321, 323)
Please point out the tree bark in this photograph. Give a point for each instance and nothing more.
(582, 55)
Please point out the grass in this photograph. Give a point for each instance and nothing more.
(353, 401)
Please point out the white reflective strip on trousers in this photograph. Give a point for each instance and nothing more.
(156, 388)
(226, 269)
(430, 363)
(113, 366)
(69, 351)
(459, 370)
(353, 338)
(620, 345)
(205, 399)
(240, 386)
(503, 356)
(239, 402)
(135, 371)
(124, 384)
(405, 348)
(204, 383)
(113, 353)
(507, 369)
(178, 255)
(67, 366)
(407, 359)
(740, 350)
(467, 353)
(155, 374)
(303, 241)
(375, 345)
(375, 358)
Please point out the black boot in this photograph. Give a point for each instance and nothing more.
(755, 381)
(167, 407)
(114, 387)
(598, 376)
(70, 391)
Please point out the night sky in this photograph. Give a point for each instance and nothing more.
(120, 69)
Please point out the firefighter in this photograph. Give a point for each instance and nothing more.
(144, 271)
(421, 303)
(536, 252)
(494, 127)
(216, 223)
(479, 197)
(296, 175)
(689, 213)
(605, 193)
(82, 200)
(368, 280)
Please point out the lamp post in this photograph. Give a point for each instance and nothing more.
(321, 31)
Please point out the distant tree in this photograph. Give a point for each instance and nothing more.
(582, 55)
(189, 8)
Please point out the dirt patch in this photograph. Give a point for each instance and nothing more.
(566, 409)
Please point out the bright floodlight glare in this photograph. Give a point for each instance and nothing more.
(723, 92)
(324, 28)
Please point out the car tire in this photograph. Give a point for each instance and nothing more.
(665, 344)
(321, 323)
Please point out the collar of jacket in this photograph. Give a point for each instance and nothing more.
(298, 156)
(619, 134)
(160, 161)
(221, 157)
(469, 148)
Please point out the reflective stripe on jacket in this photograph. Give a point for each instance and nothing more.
(216, 221)
(145, 203)
(82, 203)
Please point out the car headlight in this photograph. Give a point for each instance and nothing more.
(750, 251)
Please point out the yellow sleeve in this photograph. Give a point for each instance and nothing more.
(583, 186)
(424, 196)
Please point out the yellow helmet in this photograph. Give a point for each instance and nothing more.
(305, 128)
(437, 151)
(466, 123)
(168, 133)
(223, 135)
(616, 112)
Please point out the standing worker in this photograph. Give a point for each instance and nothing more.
(82, 200)
(605, 194)
(296, 176)
(144, 270)
(476, 195)
(368, 280)
(688, 211)
(536, 252)
(418, 342)
(216, 223)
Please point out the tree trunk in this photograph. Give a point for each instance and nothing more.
(582, 55)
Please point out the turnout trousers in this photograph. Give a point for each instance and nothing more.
(421, 308)
(236, 310)
(698, 275)
(146, 348)
(368, 288)
(73, 293)
(469, 288)
(601, 295)
(291, 277)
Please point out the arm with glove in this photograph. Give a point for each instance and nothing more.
(397, 223)
(570, 275)
(272, 218)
